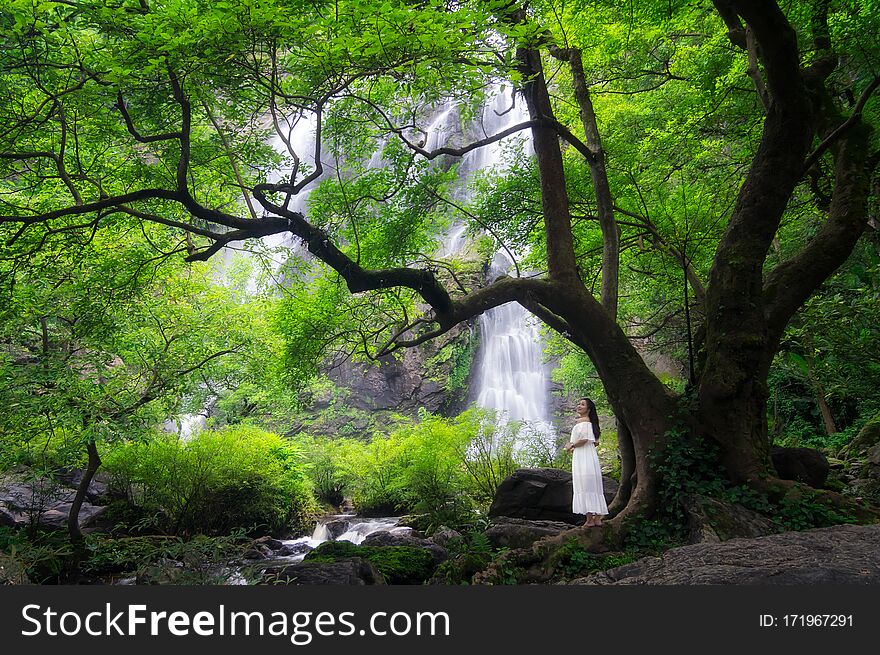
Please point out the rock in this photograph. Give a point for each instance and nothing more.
(336, 527)
(258, 551)
(805, 465)
(445, 535)
(868, 437)
(300, 548)
(844, 554)
(874, 455)
(98, 488)
(388, 538)
(56, 517)
(12, 519)
(541, 494)
(713, 521)
(352, 571)
(32, 495)
(270, 543)
(504, 531)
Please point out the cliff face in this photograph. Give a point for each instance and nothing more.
(364, 397)
(433, 376)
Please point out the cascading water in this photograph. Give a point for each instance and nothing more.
(511, 377)
(342, 527)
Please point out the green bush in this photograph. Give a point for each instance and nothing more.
(237, 477)
(445, 470)
(398, 564)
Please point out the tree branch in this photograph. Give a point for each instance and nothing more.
(841, 129)
(791, 283)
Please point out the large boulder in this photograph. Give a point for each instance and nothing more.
(507, 532)
(805, 465)
(56, 517)
(99, 485)
(352, 571)
(11, 519)
(24, 499)
(712, 521)
(30, 496)
(541, 494)
(844, 554)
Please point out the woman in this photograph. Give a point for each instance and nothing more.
(586, 475)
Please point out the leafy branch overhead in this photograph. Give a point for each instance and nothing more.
(675, 147)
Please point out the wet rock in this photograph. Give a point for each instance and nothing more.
(845, 554)
(289, 550)
(541, 494)
(270, 543)
(258, 551)
(509, 532)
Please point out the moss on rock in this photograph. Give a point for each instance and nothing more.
(398, 564)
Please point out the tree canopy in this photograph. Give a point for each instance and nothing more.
(699, 171)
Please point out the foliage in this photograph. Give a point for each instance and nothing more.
(831, 349)
(165, 560)
(689, 465)
(236, 477)
(468, 555)
(398, 564)
(44, 556)
(444, 469)
(572, 560)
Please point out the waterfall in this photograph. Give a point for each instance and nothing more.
(511, 378)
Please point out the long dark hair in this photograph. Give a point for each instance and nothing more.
(593, 415)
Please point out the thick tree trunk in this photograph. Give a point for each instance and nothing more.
(637, 398)
(73, 517)
(628, 477)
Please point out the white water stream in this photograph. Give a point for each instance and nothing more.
(341, 527)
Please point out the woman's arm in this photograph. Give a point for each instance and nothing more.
(587, 439)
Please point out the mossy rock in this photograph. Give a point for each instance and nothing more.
(461, 569)
(398, 564)
(867, 437)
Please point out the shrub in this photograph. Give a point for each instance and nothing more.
(237, 477)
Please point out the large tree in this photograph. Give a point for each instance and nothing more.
(161, 112)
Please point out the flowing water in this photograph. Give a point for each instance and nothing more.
(341, 527)
(511, 377)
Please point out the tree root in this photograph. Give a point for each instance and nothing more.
(537, 564)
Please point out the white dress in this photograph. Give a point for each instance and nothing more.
(586, 475)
